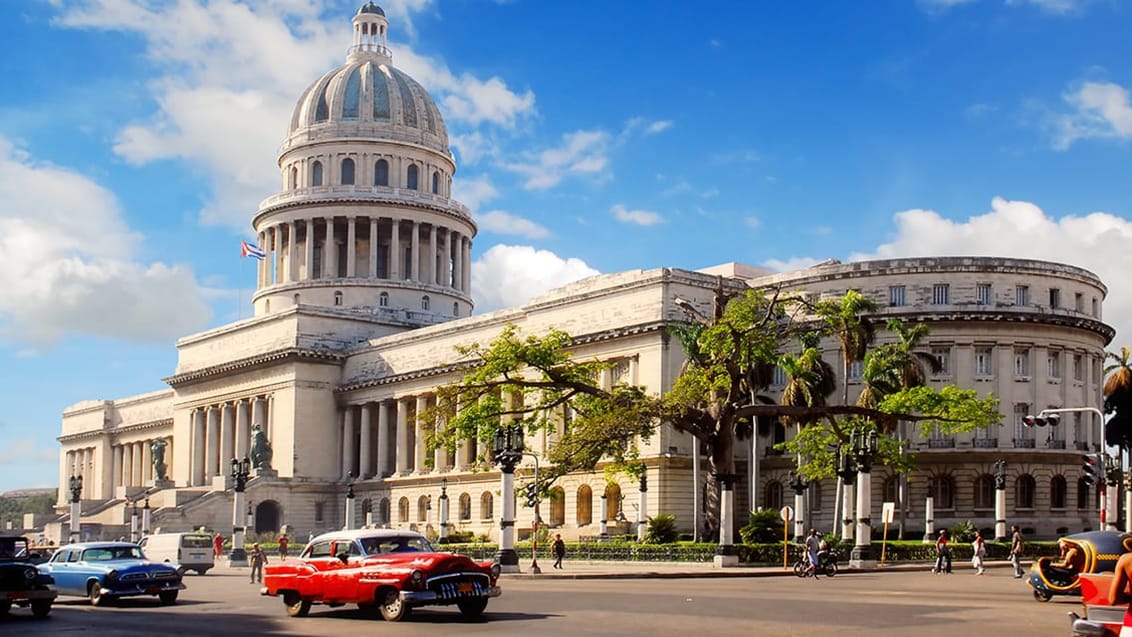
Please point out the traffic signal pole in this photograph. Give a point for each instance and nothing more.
(1102, 478)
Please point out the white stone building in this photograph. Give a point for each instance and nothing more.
(365, 292)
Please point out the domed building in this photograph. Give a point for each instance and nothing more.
(364, 295)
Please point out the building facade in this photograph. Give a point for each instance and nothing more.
(364, 296)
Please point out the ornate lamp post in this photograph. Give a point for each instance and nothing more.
(240, 470)
(443, 509)
(799, 484)
(642, 506)
(864, 446)
(147, 517)
(603, 523)
(349, 501)
(507, 450)
(76, 485)
(847, 471)
(134, 526)
(999, 500)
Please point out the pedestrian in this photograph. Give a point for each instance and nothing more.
(813, 547)
(559, 550)
(218, 545)
(283, 542)
(1118, 591)
(257, 558)
(1017, 545)
(942, 554)
(978, 553)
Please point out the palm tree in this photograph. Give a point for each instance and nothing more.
(1118, 399)
(846, 319)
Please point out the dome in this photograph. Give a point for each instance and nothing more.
(368, 97)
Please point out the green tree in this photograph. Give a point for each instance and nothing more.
(1118, 398)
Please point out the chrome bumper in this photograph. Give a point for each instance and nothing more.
(421, 598)
(16, 596)
(1079, 627)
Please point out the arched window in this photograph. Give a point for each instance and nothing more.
(772, 498)
(1024, 492)
(942, 490)
(295, 299)
(1057, 489)
(891, 488)
(984, 491)
(383, 512)
(424, 302)
(316, 173)
(613, 503)
(422, 508)
(381, 173)
(435, 182)
(412, 177)
(465, 506)
(348, 172)
(486, 506)
(383, 299)
(1082, 493)
(294, 178)
(557, 507)
(403, 510)
(585, 505)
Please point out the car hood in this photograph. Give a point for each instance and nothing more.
(428, 562)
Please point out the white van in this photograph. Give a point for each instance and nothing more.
(189, 551)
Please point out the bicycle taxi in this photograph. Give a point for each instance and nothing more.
(1097, 552)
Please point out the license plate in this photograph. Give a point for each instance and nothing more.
(152, 590)
(197, 556)
(463, 588)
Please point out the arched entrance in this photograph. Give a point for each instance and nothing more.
(267, 514)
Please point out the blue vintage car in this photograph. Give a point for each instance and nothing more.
(102, 571)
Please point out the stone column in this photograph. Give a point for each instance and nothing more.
(383, 438)
(329, 263)
(147, 462)
(862, 549)
(373, 247)
(227, 434)
(292, 268)
(196, 473)
(454, 244)
(395, 255)
(365, 460)
(351, 246)
(243, 433)
(127, 465)
(445, 278)
(347, 440)
(116, 468)
(308, 250)
(212, 446)
(433, 273)
(261, 264)
(415, 252)
(403, 457)
(466, 259)
(1000, 513)
(419, 446)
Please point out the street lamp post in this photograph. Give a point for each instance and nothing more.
(134, 526)
(443, 509)
(642, 506)
(349, 501)
(1000, 500)
(864, 445)
(1106, 501)
(847, 471)
(240, 470)
(147, 517)
(799, 484)
(76, 485)
(507, 450)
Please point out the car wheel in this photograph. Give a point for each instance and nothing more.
(296, 605)
(392, 608)
(202, 571)
(1042, 596)
(472, 608)
(168, 597)
(41, 607)
(96, 596)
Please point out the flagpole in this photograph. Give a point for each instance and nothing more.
(240, 291)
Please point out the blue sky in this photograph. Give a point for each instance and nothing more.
(138, 136)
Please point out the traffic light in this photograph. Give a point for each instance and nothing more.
(1041, 421)
(532, 494)
(1091, 465)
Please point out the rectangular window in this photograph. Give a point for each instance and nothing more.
(1021, 363)
(983, 294)
(318, 512)
(941, 294)
(1054, 298)
(779, 379)
(855, 369)
(1094, 313)
(1079, 302)
(1053, 364)
(1022, 295)
(983, 360)
(943, 355)
(1078, 368)
(896, 295)
(1021, 431)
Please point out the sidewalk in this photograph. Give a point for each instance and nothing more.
(578, 569)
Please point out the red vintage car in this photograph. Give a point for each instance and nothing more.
(380, 570)
(1101, 618)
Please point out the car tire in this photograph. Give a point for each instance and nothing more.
(472, 608)
(296, 605)
(168, 598)
(96, 596)
(41, 607)
(202, 571)
(392, 608)
(1042, 596)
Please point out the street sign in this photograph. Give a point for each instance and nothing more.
(786, 513)
(888, 512)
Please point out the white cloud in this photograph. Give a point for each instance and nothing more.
(473, 146)
(507, 276)
(752, 222)
(1100, 110)
(581, 153)
(637, 217)
(27, 451)
(744, 156)
(72, 265)
(474, 192)
(501, 222)
(1050, 6)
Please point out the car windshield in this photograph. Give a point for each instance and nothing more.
(395, 544)
(113, 553)
(196, 542)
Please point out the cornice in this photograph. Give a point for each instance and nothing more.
(99, 433)
(291, 354)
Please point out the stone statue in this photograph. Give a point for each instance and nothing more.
(261, 448)
(157, 450)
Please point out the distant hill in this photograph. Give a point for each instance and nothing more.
(23, 494)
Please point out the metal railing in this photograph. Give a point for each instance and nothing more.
(985, 443)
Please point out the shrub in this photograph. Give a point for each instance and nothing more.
(764, 526)
(662, 529)
(962, 532)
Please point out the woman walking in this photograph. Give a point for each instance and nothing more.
(978, 553)
(943, 554)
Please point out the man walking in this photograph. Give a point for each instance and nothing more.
(813, 547)
(283, 542)
(257, 558)
(1017, 545)
(559, 550)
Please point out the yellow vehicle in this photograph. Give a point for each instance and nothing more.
(1097, 552)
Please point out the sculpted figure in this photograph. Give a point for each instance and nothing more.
(157, 450)
(261, 448)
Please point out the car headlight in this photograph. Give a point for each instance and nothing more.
(112, 575)
(495, 571)
(417, 579)
(30, 573)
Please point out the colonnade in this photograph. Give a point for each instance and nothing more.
(221, 432)
(306, 249)
(132, 462)
(80, 462)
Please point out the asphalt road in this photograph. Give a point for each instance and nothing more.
(916, 603)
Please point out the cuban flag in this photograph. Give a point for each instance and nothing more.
(249, 250)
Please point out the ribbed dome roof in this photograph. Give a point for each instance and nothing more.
(370, 7)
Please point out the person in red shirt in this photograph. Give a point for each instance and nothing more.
(283, 542)
(218, 545)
